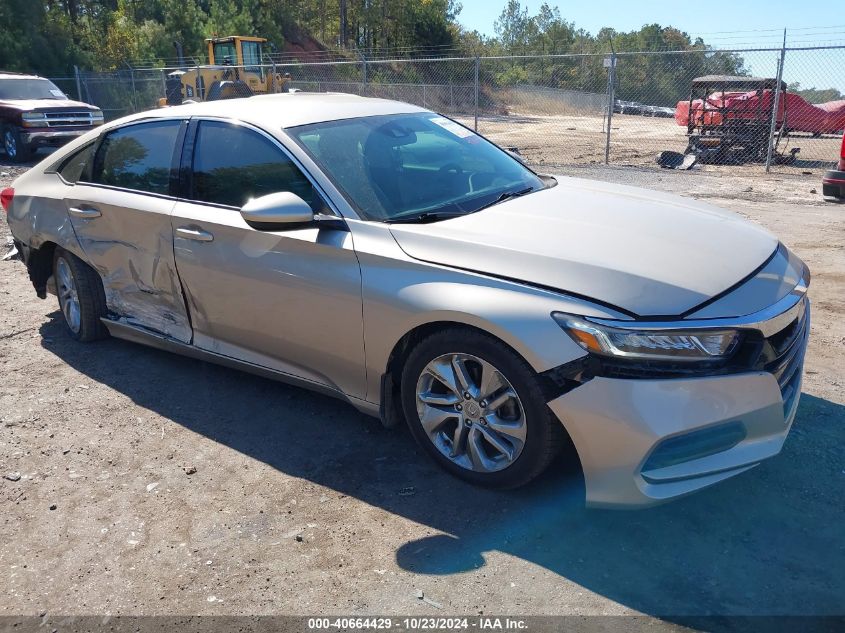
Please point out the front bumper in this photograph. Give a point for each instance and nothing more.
(51, 138)
(618, 424)
(833, 184)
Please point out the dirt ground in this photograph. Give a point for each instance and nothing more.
(564, 139)
(300, 505)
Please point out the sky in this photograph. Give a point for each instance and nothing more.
(760, 21)
(734, 24)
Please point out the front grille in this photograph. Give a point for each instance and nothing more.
(784, 357)
(69, 119)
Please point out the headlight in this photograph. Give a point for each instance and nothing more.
(97, 117)
(34, 119)
(669, 344)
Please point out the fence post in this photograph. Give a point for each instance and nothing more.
(776, 106)
(611, 81)
(477, 63)
(88, 98)
(363, 69)
(78, 83)
(134, 93)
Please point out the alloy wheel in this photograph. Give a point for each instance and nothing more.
(10, 144)
(68, 296)
(471, 412)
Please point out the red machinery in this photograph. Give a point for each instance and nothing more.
(728, 118)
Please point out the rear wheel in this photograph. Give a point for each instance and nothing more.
(81, 296)
(16, 149)
(477, 408)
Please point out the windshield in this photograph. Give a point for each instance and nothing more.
(29, 89)
(402, 165)
(224, 54)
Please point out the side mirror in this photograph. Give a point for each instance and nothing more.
(277, 211)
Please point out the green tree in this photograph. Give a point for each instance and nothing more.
(38, 37)
(816, 95)
(512, 27)
(226, 17)
(185, 21)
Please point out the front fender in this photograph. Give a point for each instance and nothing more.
(401, 294)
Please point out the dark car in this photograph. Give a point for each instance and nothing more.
(833, 183)
(35, 113)
(664, 113)
(628, 107)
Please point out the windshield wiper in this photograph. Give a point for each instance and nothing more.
(424, 218)
(507, 195)
(435, 216)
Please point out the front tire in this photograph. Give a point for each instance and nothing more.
(82, 300)
(477, 408)
(17, 150)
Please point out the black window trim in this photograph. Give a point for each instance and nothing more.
(61, 164)
(185, 190)
(174, 161)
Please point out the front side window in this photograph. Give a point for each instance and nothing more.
(401, 165)
(138, 157)
(233, 164)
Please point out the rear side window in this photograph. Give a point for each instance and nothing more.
(74, 166)
(233, 164)
(138, 157)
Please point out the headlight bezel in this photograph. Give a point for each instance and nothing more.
(673, 343)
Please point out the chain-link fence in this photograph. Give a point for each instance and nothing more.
(778, 108)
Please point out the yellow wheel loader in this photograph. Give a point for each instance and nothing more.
(236, 68)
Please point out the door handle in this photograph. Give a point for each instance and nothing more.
(197, 235)
(84, 212)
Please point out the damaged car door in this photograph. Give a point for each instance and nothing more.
(120, 211)
(283, 297)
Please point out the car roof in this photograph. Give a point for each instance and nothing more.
(8, 74)
(287, 109)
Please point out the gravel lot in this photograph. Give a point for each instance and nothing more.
(546, 137)
(300, 505)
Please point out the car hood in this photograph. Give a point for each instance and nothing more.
(29, 105)
(645, 252)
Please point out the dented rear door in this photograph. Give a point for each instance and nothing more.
(121, 217)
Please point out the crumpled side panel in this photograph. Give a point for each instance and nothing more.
(131, 246)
